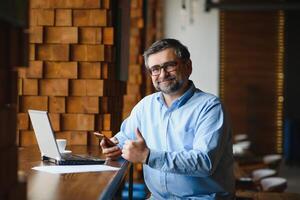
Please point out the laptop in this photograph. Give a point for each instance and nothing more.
(48, 146)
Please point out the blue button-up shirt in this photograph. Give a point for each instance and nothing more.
(190, 146)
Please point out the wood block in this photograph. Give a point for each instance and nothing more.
(27, 138)
(78, 88)
(94, 87)
(89, 35)
(87, 52)
(86, 87)
(106, 122)
(92, 139)
(22, 72)
(63, 17)
(60, 70)
(78, 122)
(45, 17)
(36, 34)
(55, 121)
(22, 121)
(65, 4)
(91, 17)
(53, 52)
(106, 4)
(33, 17)
(57, 105)
(133, 89)
(33, 102)
(108, 35)
(54, 87)
(32, 52)
(61, 35)
(83, 105)
(20, 90)
(89, 70)
(79, 138)
(35, 69)
(107, 70)
(109, 53)
(30, 87)
(108, 134)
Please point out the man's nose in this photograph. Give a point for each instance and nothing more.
(163, 72)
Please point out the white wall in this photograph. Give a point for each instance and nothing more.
(200, 36)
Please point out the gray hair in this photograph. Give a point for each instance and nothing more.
(181, 51)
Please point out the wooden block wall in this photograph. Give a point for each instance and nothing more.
(71, 71)
(133, 93)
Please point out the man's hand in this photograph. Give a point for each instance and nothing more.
(111, 152)
(136, 151)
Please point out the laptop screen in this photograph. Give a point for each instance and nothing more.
(44, 134)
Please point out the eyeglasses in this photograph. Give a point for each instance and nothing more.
(167, 66)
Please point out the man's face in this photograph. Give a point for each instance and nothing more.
(172, 81)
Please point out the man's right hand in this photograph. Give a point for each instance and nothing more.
(111, 152)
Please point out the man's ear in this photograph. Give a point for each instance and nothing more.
(189, 67)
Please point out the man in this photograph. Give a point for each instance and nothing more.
(180, 133)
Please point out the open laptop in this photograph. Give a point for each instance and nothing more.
(48, 146)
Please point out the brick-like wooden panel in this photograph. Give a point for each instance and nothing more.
(60, 70)
(33, 102)
(108, 35)
(95, 87)
(65, 4)
(86, 87)
(57, 105)
(79, 138)
(63, 17)
(61, 35)
(90, 35)
(89, 70)
(87, 52)
(78, 122)
(106, 122)
(55, 121)
(23, 121)
(27, 138)
(92, 17)
(45, 17)
(54, 87)
(53, 52)
(35, 69)
(83, 104)
(30, 87)
(36, 34)
(32, 55)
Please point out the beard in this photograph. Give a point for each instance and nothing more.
(169, 87)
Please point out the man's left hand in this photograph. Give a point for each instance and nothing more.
(136, 151)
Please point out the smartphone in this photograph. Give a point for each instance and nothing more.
(107, 140)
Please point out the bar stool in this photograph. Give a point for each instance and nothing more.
(273, 184)
(272, 160)
(259, 174)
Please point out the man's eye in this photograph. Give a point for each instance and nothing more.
(154, 69)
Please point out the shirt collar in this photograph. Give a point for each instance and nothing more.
(182, 99)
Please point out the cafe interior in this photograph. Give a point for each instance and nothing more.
(81, 61)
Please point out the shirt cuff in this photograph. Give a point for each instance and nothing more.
(155, 159)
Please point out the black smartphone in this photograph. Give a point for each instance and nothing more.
(107, 140)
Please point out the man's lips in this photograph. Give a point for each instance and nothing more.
(166, 80)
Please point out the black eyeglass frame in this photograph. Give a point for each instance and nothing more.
(169, 66)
